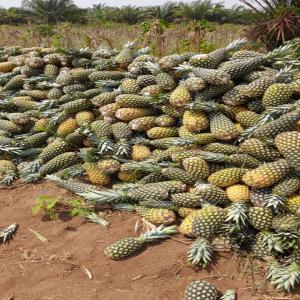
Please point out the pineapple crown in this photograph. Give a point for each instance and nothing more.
(154, 68)
(237, 44)
(200, 253)
(275, 202)
(238, 215)
(102, 197)
(285, 74)
(143, 166)
(96, 218)
(10, 150)
(269, 241)
(160, 232)
(7, 232)
(229, 295)
(284, 277)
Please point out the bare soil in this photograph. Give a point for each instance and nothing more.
(30, 269)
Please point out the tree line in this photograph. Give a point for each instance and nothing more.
(55, 11)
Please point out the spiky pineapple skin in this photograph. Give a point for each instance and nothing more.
(123, 248)
(288, 144)
(156, 216)
(260, 218)
(238, 193)
(267, 174)
(227, 177)
(201, 290)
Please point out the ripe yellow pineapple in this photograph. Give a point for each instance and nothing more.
(195, 121)
(140, 152)
(95, 174)
(180, 97)
(66, 127)
(83, 117)
(238, 193)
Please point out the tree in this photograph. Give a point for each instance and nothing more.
(275, 21)
(166, 12)
(51, 11)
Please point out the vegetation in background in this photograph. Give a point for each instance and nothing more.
(275, 21)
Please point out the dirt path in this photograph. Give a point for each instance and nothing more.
(30, 269)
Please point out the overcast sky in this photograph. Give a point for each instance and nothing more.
(87, 3)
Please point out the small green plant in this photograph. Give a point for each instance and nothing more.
(53, 206)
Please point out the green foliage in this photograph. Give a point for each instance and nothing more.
(207, 47)
(52, 206)
(45, 30)
(275, 21)
(54, 11)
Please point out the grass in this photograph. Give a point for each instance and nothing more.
(173, 39)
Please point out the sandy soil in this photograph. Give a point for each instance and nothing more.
(30, 269)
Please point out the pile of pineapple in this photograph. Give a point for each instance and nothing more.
(212, 140)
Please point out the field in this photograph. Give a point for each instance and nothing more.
(116, 35)
(32, 270)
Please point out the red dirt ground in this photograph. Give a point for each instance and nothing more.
(30, 269)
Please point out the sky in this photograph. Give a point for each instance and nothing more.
(88, 3)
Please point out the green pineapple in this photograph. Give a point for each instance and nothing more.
(201, 290)
(260, 218)
(186, 200)
(129, 246)
(208, 221)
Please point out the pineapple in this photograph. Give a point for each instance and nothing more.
(222, 148)
(8, 172)
(189, 200)
(194, 84)
(201, 290)
(258, 197)
(143, 123)
(95, 174)
(132, 100)
(151, 90)
(286, 222)
(259, 149)
(162, 132)
(66, 127)
(183, 212)
(129, 246)
(284, 123)
(109, 166)
(140, 152)
(208, 221)
(104, 98)
(228, 176)
(71, 185)
(129, 86)
(180, 97)
(106, 75)
(279, 93)
(165, 121)
(212, 194)
(267, 174)
(293, 205)
(155, 216)
(121, 131)
(248, 118)
(288, 144)
(6, 67)
(59, 162)
(84, 117)
(196, 167)
(222, 128)
(129, 114)
(195, 121)
(238, 193)
(10, 126)
(260, 218)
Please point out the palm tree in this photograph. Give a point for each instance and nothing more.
(128, 14)
(275, 21)
(51, 11)
(166, 12)
(196, 10)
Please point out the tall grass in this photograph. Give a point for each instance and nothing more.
(176, 38)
